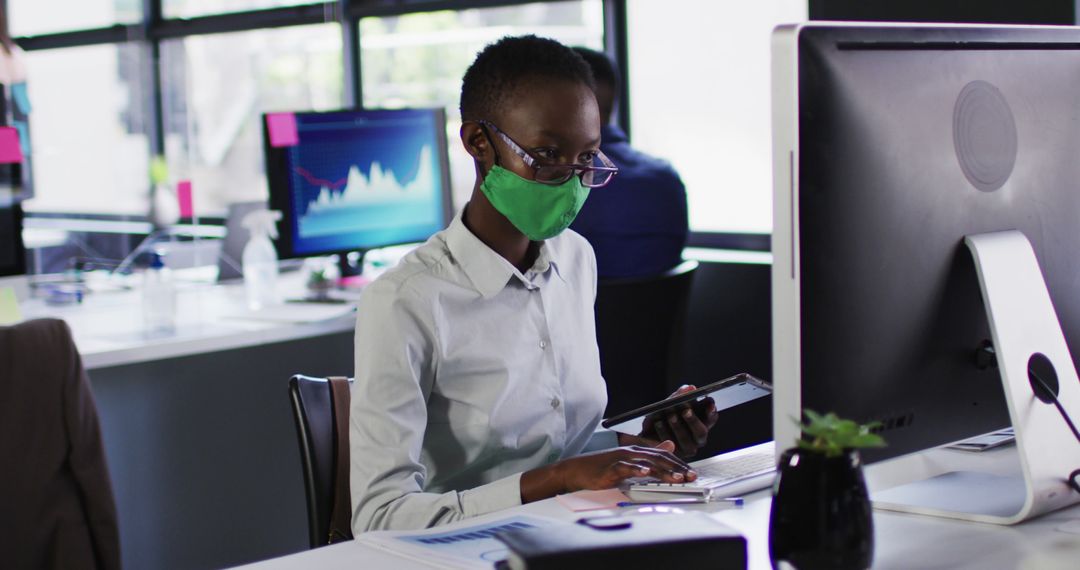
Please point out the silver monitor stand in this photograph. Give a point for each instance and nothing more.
(1028, 342)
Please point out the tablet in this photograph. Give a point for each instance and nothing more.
(727, 393)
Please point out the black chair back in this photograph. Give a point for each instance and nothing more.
(313, 412)
(639, 328)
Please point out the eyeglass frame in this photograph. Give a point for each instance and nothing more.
(536, 164)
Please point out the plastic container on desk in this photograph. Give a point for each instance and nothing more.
(158, 298)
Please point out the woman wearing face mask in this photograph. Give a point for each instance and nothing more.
(478, 381)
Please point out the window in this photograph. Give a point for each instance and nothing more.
(88, 129)
(418, 60)
(700, 90)
(93, 132)
(34, 17)
(193, 8)
(215, 88)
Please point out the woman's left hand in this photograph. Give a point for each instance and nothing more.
(687, 426)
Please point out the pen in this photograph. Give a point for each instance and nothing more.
(729, 502)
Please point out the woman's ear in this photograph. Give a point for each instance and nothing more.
(475, 141)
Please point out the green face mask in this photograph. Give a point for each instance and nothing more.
(540, 211)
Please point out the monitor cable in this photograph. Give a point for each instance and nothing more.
(1046, 394)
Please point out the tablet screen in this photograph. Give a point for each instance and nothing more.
(726, 394)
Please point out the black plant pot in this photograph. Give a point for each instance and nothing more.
(821, 513)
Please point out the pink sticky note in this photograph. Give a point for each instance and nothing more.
(282, 129)
(183, 195)
(10, 148)
(592, 500)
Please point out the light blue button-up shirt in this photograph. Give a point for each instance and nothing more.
(468, 373)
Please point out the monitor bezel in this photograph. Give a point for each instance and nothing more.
(787, 300)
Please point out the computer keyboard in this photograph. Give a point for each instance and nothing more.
(718, 472)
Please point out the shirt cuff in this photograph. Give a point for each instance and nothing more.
(497, 495)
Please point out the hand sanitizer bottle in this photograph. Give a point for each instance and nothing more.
(158, 298)
(260, 261)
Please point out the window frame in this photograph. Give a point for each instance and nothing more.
(154, 28)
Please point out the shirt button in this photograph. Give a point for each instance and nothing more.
(543, 345)
(555, 403)
(552, 457)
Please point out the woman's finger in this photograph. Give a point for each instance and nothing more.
(697, 430)
(629, 469)
(683, 437)
(662, 432)
(663, 465)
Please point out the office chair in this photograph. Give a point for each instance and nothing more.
(322, 426)
(639, 328)
(58, 509)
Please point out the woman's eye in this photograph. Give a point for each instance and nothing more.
(588, 157)
(546, 153)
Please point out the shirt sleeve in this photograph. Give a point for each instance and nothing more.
(395, 352)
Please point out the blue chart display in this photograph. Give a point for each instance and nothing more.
(364, 179)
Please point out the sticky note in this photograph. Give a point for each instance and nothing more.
(24, 136)
(159, 170)
(183, 195)
(10, 147)
(282, 129)
(592, 500)
(21, 97)
(9, 307)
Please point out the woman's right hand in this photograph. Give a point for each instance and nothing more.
(604, 470)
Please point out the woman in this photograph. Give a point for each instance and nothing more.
(478, 381)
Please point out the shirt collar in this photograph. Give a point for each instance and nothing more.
(487, 270)
(611, 133)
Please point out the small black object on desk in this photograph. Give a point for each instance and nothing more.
(627, 543)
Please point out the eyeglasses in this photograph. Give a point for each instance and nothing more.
(594, 175)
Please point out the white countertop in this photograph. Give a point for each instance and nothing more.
(902, 541)
(108, 327)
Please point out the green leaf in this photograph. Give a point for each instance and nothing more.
(867, 440)
(831, 435)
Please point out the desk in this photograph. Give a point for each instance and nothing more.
(901, 541)
(108, 326)
(197, 426)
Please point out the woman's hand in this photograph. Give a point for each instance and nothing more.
(687, 425)
(604, 470)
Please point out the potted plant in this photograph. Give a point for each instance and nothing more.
(821, 514)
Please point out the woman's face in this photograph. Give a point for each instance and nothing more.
(554, 120)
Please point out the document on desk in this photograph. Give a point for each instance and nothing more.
(458, 546)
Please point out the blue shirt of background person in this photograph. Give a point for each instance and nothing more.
(637, 224)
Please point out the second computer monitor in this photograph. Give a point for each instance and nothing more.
(354, 180)
(892, 143)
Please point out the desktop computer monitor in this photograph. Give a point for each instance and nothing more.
(350, 181)
(891, 144)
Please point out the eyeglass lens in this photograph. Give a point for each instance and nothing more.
(557, 174)
(593, 178)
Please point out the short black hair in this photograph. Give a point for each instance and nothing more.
(603, 68)
(506, 64)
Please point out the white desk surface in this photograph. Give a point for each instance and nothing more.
(901, 541)
(108, 328)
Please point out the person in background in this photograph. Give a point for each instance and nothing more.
(478, 382)
(637, 224)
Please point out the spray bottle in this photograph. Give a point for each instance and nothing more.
(260, 261)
